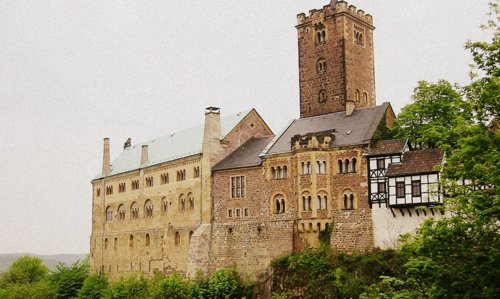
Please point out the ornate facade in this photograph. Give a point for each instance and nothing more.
(230, 193)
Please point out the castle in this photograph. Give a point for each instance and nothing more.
(231, 193)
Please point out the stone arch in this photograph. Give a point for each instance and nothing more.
(148, 208)
(190, 199)
(134, 211)
(348, 200)
(306, 201)
(147, 240)
(322, 200)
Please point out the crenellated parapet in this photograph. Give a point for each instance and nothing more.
(316, 140)
(334, 8)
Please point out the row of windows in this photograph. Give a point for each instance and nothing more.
(348, 166)
(279, 172)
(184, 204)
(147, 240)
(357, 96)
(164, 179)
(416, 189)
(321, 202)
(237, 213)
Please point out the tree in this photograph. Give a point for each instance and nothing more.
(93, 286)
(24, 270)
(459, 256)
(430, 121)
(66, 281)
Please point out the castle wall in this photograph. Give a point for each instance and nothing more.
(251, 240)
(388, 227)
(131, 251)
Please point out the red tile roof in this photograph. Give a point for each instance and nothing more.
(386, 147)
(417, 162)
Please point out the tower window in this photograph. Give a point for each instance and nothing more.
(320, 36)
(322, 96)
(321, 65)
(359, 36)
(365, 97)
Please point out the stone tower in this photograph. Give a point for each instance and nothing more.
(335, 59)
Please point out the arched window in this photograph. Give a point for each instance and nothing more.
(353, 167)
(357, 95)
(319, 203)
(148, 240)
(148, 208)
(279, 204)
(121, 212)
(308, 164)
(131, 241)
(106, 243)
(285, 172)
(340, 166)
(365, 97)
(325, 202)
(321, 65)
(322, 201)
(109, 214)
(304, 169)
(190, 236)
(349, 201)
(322, 96)
(191, 201)
(273, 172)
(134, 211)
(278, 173)
(177, 238)
(306, 202)
(346, 166)
(323, 36)
(115, 243)
(164, 206)
(182, 203)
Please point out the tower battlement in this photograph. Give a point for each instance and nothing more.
(335, 7)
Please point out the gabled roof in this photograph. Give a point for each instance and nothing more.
(387, 147)
(171, 147)
(417, 162)
(358, 128)
(246, 155)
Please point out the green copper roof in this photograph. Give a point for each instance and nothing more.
(171, 147)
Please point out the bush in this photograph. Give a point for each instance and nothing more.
(93, 287)
(66, 281)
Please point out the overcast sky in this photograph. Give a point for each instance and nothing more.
(73, 72)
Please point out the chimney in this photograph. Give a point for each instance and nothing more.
(105, 158)
(212, 127)
(144, 154)
(349, 108)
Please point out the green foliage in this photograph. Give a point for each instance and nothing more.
(132, 287)
(36, 290)
(325, 236)
(225, 283)
(93, 287)
(24, 270)
(430, 121)
(382, 132)
(66, 281)
(322, 273)
(168, 287)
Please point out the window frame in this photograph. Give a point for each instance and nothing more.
(400, 190)
(416, 188)
(237, 186)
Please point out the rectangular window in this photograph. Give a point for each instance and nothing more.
(229, 213)
(381, 187)
(380, 163)
(238, 212)
(400, 189)
(415, 189)
(245, 212)
(237, 186)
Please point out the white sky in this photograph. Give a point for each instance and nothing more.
(73, 72)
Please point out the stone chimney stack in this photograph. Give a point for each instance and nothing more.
(105, 158)
(144, 154)
(210, 147)
(349, 108)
